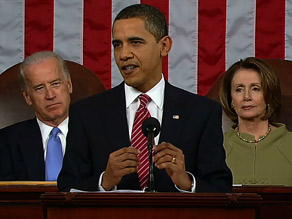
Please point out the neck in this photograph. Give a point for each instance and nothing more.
(255, 128)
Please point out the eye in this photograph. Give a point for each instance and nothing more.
(238, 89)
(38, 89)
(56, 84)
(256, 88)
(136, 42)
(116, 44)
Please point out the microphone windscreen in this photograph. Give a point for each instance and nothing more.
(151, 124)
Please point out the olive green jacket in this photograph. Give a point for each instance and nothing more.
(268, 163)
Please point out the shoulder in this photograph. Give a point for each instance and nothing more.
(282, 138)
(21, 125)
(280, 130)
(20, 129)
(190, 98)
(229, 139)
(99, 99)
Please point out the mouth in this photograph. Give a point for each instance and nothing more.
(128, 69)
(53, 105)
(247, 107)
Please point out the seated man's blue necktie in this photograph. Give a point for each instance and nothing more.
(54, 157)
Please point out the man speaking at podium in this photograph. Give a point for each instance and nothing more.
(106, 149)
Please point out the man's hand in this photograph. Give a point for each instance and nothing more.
(120, 163)
(172, 159)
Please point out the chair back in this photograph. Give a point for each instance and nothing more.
(13, 107)
(283, 68)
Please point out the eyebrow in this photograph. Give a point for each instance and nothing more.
(129, 39)
(36, 86)
(55, 80)
(136, 38)
(115, 41)
(252, 84)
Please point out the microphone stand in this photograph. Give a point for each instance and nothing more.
(150, 128)
(151, 174)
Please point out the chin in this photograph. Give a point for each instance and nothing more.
(131, 83)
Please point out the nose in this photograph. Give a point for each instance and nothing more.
(247, 95)
(126, 53)
(50, 94)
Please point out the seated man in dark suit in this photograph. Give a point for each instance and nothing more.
(33, 149)
(106, 150)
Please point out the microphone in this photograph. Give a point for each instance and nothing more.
(151, 125)
(151, 128)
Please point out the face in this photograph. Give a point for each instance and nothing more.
(247, 95)
(138, 55)
(48, 92)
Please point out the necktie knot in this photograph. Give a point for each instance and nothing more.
(144, 99)
(55, 131)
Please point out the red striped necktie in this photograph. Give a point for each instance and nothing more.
(139, 140)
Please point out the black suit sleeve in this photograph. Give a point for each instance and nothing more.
(6, 168)
(77, 170)
(213, 175)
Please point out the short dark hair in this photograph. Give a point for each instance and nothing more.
(270, 83)
(40, 57)
(154, 21)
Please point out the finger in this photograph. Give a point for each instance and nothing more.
(128, 170)
(129, 164)
(124, 150)
(163, 159)
(167, 153)
(165, 145)
(127, 156)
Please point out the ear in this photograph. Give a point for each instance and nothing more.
(70, 87)
(166, 44)
(26, 97)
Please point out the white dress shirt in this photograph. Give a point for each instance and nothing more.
(46, 130)
(155, 106)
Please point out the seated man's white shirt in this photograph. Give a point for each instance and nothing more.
(46, 130)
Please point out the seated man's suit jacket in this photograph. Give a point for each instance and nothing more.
(22, 153)
(98, 126)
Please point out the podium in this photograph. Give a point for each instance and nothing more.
(277, 200)
(22, 199)
(36, 200)
(150, 205)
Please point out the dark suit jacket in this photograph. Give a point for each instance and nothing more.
(98, 126)
(22, 154)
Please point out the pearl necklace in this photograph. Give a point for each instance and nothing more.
(253, 141)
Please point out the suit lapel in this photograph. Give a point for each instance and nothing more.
(115, 112)
(31, 148)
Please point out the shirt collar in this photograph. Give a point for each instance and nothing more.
(156, 94)
(46, 129)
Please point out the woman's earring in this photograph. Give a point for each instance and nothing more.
(232, 105)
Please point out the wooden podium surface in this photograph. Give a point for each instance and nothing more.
(277, 200)
(22, 199)
(150, 205)
(41, 200)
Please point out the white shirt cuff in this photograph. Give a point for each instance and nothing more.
(100, 188)
(193, 188)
